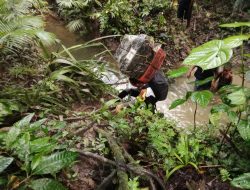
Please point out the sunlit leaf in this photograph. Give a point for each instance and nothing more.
(177, 72)
(55, 162)
(243, 181)
(244, 129)
(232, 117)
(235, 25)
(235, 41)
(12, 135)
(202, 97)
(176, 103)
(220, 108)
(5, 162)
(38, 123)
(25, 121)
(209, 55)
(41, 145)
(46, 184)
(214, 118)
(237, 97)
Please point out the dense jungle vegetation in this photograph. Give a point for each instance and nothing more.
(62, 127)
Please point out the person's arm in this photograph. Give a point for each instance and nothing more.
(132, 92)
(215, 82)
(190, 71)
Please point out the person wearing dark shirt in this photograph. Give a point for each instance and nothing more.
(201, 75)
(158, 84)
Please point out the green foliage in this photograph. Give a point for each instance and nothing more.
(133, 184)
(176, 103)
(34, 151)
(177, 72)
(235, 25)
(237, 97)
(5, 162)
(242, 181)
(17, 32)
(209, 55)
(214, 53)
(53, 163)
(46, 184)
(116, 17)
(200, 97)
(244, 129)
(84, 77)
(225, 176)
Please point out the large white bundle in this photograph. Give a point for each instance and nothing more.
(135, 54)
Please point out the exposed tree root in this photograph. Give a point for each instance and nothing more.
(106, 181)
(117, 152)
(137, 170)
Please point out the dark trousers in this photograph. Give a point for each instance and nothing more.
(184, 9)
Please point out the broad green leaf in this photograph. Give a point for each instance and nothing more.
(25, 121)
(46, 184)
(22, 147)
(243, 181)
(12, 135)
(237, 98)
(5, 162)
(209, 55)
(235, 25)
(220, 108)
(247, 55)
(41, 145)
(244, 129)
(176, 103)
(202, 82)
(202, 97)
(177, 72)
(232, 117)
(38, 123)
(215, 117)
(235, 41)
(55, 162)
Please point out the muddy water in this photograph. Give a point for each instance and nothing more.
(69, 39)
(183, 114)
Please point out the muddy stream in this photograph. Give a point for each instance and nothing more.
(183, 115)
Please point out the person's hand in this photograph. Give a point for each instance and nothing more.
(188, 75)
(123, 94)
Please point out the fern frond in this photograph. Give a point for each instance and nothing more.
(73, 3)
(75, 25)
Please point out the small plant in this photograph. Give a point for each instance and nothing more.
(225, 175)
(31, 154)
